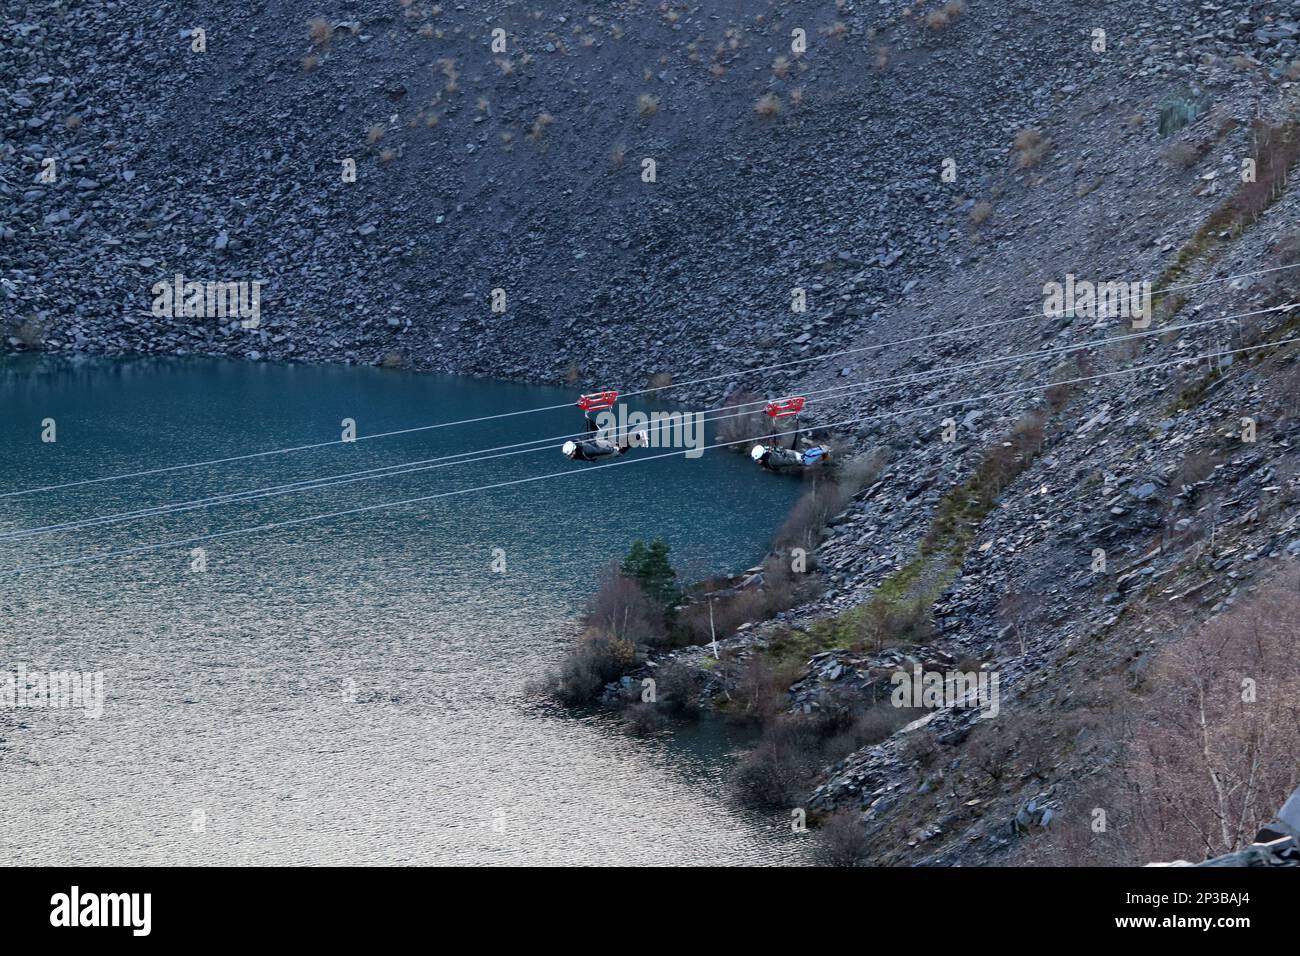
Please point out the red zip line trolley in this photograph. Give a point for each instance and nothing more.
(599, 401)
(784, 407)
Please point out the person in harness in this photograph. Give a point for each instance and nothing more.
(773, 457)
(597, 446)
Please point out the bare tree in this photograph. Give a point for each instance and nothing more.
(745, 417)
(621, 609)
(842, 841)
(1015, 610)
(1194, 468)
(1216, 754)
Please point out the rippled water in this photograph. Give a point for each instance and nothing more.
(349, 691)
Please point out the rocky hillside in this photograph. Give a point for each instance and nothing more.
(919, 170)
(522, 170)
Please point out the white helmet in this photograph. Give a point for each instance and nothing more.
(757, 452)
(569, 448)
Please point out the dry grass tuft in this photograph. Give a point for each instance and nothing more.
(319, 31)
(768, 105)
(1030, 147)
(448, 67)
(1182, 155)
(31, 333)
(540, 125)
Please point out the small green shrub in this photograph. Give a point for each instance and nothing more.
(1180, 108)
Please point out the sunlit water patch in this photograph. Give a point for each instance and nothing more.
(350, 690)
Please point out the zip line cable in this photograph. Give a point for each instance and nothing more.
(429, 464)
(218, 535)
(644, 391)
(278, 451)
(400, 468)
(934, 335)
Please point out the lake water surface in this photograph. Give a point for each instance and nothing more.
(350, 690)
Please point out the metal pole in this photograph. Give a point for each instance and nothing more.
(712, 633)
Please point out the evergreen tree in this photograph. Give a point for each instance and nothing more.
(651, 568)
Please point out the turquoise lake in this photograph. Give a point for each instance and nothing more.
(349, 690)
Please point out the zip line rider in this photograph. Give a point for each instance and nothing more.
(775, 458)
(597, 447)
